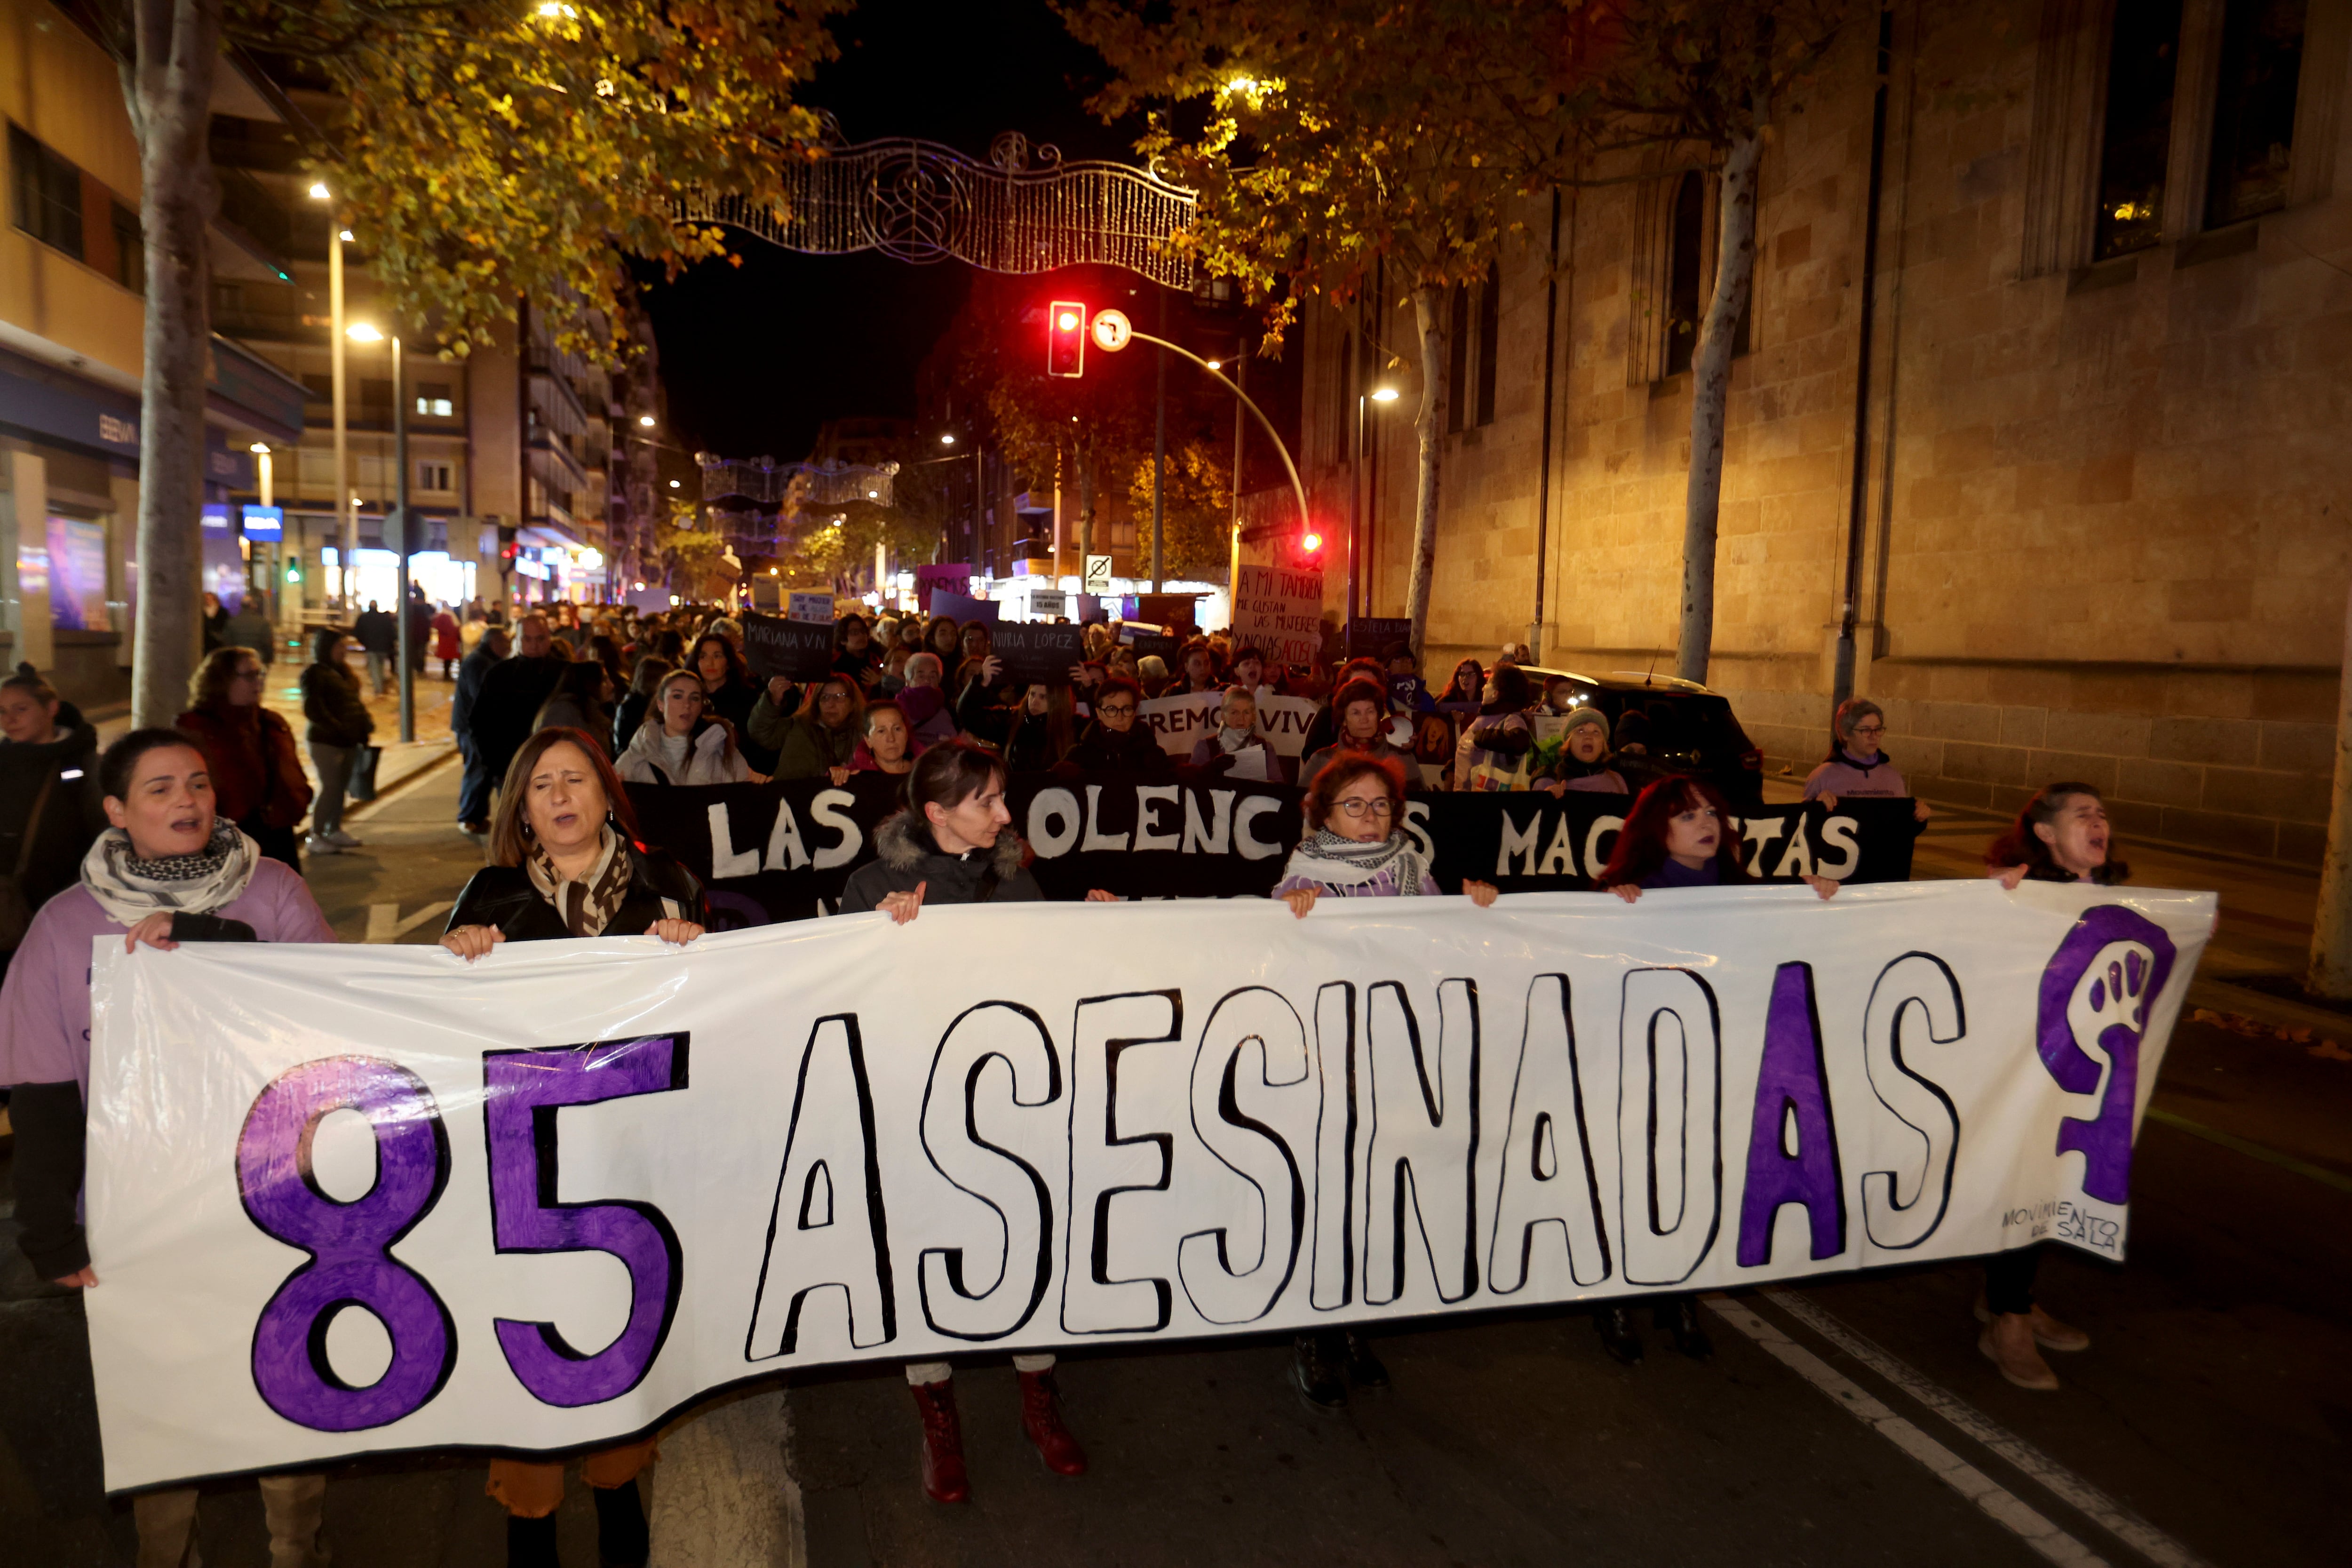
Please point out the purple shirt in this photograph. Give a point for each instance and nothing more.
(1675, 874)
(45, 1004)
(1842, 775)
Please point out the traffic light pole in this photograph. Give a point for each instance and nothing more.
(1273, 435)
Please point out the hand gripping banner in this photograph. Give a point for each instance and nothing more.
(366, 1199)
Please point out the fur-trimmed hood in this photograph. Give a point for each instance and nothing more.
(900, 844)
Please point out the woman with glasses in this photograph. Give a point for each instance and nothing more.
(1355, 848)
(1115, 743)
(1855, 766)
(258, 779)
(678, 744)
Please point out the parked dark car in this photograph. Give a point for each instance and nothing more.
(1660, 725)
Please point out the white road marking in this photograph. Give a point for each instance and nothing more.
(383, 922)
(1997, 1500)
(2063, 1483)
(429, 913)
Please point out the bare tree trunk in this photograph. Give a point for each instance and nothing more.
(1085, 510)
(2331, 929)
(1428, 317)
(167, 85)
(1710, 386)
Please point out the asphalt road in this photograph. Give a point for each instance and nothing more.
(1851, 1422)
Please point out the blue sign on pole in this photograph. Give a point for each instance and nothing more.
(265, 523)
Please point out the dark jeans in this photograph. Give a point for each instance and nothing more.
(474, 787)
(2009, 1278)
(282, 844)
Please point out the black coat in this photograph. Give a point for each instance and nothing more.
(377, 631)
(500, 721)
(71, 819)
(502, 896)
(331, 701)
(905, 854)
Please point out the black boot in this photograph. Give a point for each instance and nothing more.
(1619, 1334)
(1678, 1316)
(620, 1538)
(1314, 1370)
(531, 1543)
(1364, 1368)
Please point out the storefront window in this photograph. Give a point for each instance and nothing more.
(77, 570)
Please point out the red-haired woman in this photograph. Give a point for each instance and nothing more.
(2062, 836)
(1680, 834)
(1355, 848)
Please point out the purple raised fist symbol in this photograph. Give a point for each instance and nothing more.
(524, 1091)
(2097, 990)
(349, 1243)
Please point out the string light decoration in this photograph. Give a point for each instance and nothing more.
(760, 502)
(924, 202)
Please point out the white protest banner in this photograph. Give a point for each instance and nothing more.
(1281, 613)
(1178, 722)
(325, 1199)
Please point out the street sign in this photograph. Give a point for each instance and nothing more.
(1097, 575)
(1112, 331)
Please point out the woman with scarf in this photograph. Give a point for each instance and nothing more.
(678, 744)
(823, 736)
(257, 781)
(565, 863)
(49, 808)
(924, 701)
(1855, 766)
(1356, 847)
(950, 845)
(1583, 762)
(170, 868)
(1678, 835)
(2062, 836)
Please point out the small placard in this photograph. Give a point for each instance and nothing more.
(796, 650)
(1044, 604)
(815, 607)
(1034, 650)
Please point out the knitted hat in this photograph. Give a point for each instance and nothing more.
(1588, 714)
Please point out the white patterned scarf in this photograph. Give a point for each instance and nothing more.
(1338, 862)
(130, 889)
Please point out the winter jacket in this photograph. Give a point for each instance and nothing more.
(502, 896)
(1107, 750)
(499, 720)
(376, 630)
(810, 748)
(472, 670)
(250, 628)
(331, 702)
(71, 819)
(709, 760)
(906, 853)
(250, 753)
(1844, 775)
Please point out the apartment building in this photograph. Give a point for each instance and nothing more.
(2092, 528)
(72, 315)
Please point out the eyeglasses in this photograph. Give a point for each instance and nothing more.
(1868, 729)
(1363, 808)
(1124, 711)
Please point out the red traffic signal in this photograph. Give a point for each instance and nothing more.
(1066, 338)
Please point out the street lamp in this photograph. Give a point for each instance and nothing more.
(647, 420)
(402, 540)
(947, 439)
(348, 534)
(1356, 503)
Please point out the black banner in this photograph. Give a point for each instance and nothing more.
(796, 650)
(779, 852)
(1372, 636)
(1037, 651)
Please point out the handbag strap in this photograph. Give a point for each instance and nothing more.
(33, 825)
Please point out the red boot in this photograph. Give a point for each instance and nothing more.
(943, 1477)
(1041, 1423)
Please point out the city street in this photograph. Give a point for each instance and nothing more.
(1849, 1421)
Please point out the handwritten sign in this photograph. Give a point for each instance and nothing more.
(795, 650)
(955, 579)
(1035, 651)
(811, 607)
(1280, 611)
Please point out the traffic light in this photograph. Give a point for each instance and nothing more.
(1311, 547)
(1066, 338)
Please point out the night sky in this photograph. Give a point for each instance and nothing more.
(755, 357)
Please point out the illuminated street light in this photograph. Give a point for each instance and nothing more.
(647, 420)
(346, 237)
(319, 191)
(1384, 394)
(873, 494)
(259, 447)
(1216, 364)
(363, 333)
(673, 484)
(947, 439)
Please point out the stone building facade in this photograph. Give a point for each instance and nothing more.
(2098, 528)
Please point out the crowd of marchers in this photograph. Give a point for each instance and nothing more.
(196, 833)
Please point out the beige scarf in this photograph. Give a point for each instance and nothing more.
(588, 905)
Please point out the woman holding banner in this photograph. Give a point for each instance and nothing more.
(564, 863)
(1855, 766)
(1355, 848)
(1583, 762)
(1224, 748)
(678, 744)
(2062, 836)
(169, 870)
(1680, 834)
(889, 746)
(950, 846)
